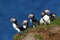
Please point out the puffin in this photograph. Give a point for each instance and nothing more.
(45, 19)
(16, 26)
(53, 16)
(25, 24)
(34, 21)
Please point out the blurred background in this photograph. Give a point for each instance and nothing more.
(20, 10)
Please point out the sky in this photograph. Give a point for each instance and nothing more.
(20, 10)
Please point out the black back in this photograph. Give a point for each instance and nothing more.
(19, 26)
(35, 22)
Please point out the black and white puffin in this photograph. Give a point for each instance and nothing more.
(45, 18)
(16, 26)
(33, 20)
(52, 16)
(25, 24)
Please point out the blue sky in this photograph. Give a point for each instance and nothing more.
(20, 9)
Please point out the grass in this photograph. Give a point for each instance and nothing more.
(39, 36)
(17, 37)
(56, 22)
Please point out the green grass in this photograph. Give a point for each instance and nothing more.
(17, 37)
(56, 22)
(38, 36)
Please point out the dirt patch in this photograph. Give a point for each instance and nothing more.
(29, 37)
(50, 34)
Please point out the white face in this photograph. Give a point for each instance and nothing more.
(47, 11)
(25, 22)
(54, 15)
(13, 20)
(42, 13)
(31, 15)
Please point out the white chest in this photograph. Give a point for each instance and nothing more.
(14, 25)
(31, 20)
(41, 20)
(46, 18)
(24, 26)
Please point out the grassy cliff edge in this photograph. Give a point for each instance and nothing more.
(42, 32)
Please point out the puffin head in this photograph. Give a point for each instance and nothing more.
(13, 19)
(54, 15)
(47, 11)
(25, 22)
(30, 15)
